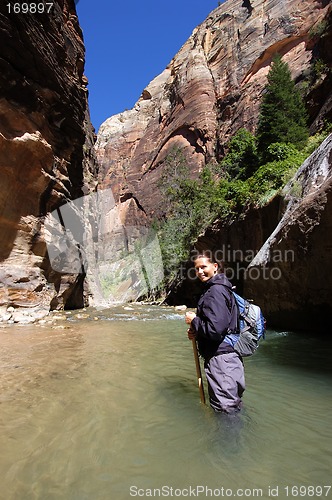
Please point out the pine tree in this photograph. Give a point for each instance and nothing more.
(241, 160)
(283, 116)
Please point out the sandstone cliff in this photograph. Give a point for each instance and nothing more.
(209, 90)
(45, 139)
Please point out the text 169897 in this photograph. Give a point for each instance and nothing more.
(30, 8)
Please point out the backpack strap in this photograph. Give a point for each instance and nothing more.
(233, 309)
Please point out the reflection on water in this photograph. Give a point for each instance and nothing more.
(105, 405)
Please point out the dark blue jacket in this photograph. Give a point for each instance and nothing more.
(216, 317)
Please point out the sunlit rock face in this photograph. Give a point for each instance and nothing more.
(211, 88)
(45, 137)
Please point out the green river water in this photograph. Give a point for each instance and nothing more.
(105, 405)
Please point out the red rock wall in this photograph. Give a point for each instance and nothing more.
(209, 90)
(44, 125)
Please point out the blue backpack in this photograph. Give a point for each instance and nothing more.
(250, 326)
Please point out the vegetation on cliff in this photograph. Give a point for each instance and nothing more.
(254, 170)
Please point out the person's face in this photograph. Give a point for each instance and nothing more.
(205, 269)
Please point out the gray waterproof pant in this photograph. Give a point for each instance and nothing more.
(226, 384)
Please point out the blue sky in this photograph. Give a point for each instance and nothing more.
(130, 42)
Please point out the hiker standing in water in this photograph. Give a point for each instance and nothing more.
(212, 327)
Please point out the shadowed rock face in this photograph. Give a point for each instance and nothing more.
(44, 125)
(209, 90)
(296, 258)
(280, 255)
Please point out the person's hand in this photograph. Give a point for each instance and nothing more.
(191, 334)
(189, 317)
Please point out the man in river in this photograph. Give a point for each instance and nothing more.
(212, 327)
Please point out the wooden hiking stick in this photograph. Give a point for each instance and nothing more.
(198, 372)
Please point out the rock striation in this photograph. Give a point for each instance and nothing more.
(209, 90)
(45, 151)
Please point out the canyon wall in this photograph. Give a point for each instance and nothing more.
(291, 275)
(210, 89)
(279, 255)
(45, 152)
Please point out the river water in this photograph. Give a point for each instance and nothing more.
(104, 405)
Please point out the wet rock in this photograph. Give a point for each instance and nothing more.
(180, 308)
